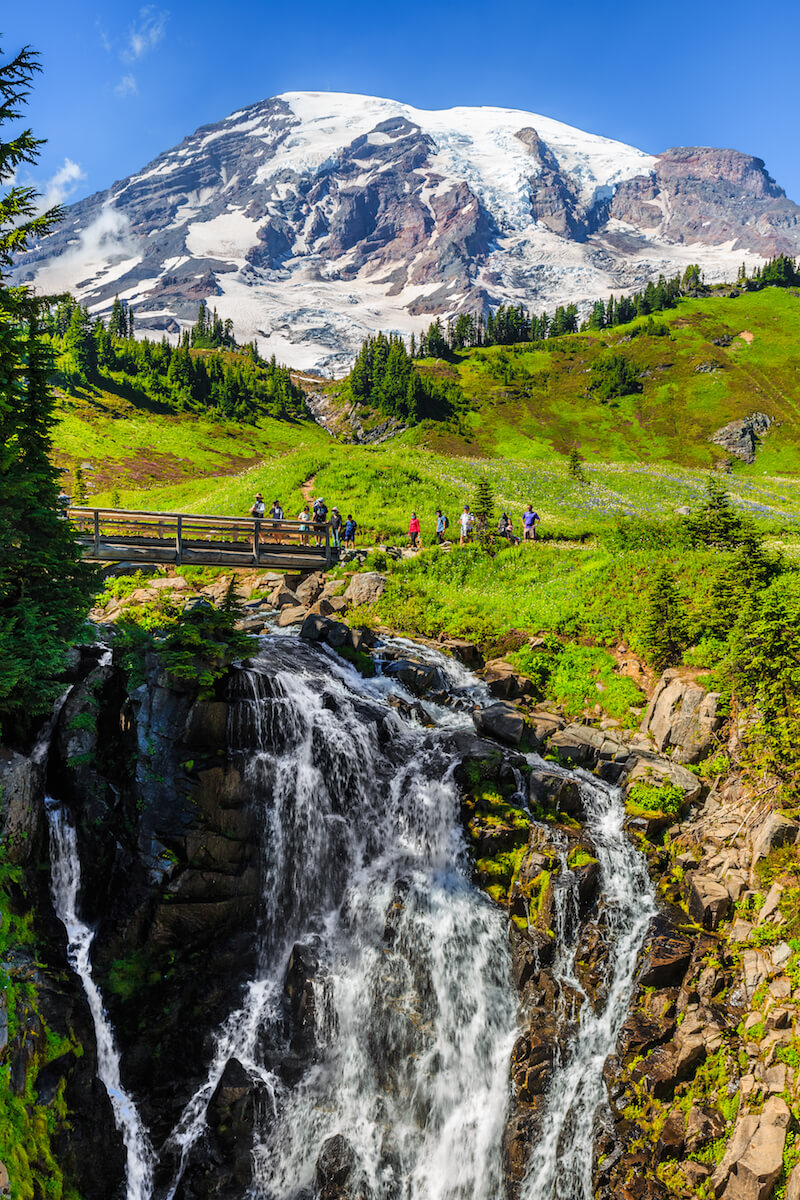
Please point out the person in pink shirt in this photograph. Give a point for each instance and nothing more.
(414, 532)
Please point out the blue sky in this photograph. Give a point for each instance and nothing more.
(122, 82)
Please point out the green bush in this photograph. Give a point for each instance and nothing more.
(664, 798)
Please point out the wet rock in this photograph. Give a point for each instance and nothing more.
(532, 1059)
(754, 1156)
(642, 1031)
(206, 724)
(365, 588)
(555, 792)
(21, 799)
(464, 651)
(665, 956)
(292, 616)
(502, 721)
(709, 901)
(231, 1120)
(419, 678)
(301, 973)
(315, 628)
(531, 949)
(337, 1171)
(504, 683)
(682, 716)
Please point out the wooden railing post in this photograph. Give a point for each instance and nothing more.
(327, 544)
(256, 551)
(179, 541)
(97, 533)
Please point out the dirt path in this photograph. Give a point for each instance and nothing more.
(308, 489)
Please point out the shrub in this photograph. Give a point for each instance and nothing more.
(666, 798)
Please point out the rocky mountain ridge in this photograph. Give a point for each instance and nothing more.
(312, 219)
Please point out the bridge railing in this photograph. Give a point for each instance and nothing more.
(99, 528)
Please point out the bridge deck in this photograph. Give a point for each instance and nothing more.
(114, 535)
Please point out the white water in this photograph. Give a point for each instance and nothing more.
(560, 1166)
(416, 1026)
(415, 1016)
(65, 882)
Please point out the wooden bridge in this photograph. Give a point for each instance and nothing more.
(114, 535)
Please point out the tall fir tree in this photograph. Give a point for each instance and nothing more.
(44, 587)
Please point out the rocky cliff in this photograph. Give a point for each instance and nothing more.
(703, 1055)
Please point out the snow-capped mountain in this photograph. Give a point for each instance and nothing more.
(314, 218)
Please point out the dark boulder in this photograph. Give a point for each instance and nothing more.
(665, 956)
(501, 721)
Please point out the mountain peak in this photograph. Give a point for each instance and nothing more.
(314, 218)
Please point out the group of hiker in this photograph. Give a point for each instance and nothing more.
(313, 520)
(472, 525)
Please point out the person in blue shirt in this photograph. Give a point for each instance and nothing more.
(442, 524)
(530, 520)
(350, 532)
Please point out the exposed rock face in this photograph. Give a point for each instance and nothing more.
(317, 218)
(365, 588)
(705, 196)
(682, 717)
(741, 438)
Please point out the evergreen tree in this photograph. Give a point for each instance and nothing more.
(483, 504)
(717, 523)
(79, 496)
(664, 636)
(44, 588)
(575, 466)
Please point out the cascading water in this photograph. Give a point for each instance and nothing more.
(65, 882)
(560, 1165)
(365, 861)
(397, 1074)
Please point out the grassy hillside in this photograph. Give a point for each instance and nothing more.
(525, 408)
(527, 402)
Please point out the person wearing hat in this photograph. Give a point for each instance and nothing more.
(320, 517)
(336, 528)
(257, 510)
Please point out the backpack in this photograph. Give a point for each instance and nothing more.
(446, 523)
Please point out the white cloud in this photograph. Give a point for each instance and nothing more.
(146, 33)
(127, 86)
(60, 186)
(105, 241)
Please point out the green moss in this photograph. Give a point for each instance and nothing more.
(580, 858)
(362, 661)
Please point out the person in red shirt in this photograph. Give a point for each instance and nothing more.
(414, 532)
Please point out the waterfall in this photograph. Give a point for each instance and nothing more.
(365, 863)
(65, 882)
(393, 1073)
(560, 1165)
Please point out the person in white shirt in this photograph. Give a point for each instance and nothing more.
(467, 523)
(258, 507)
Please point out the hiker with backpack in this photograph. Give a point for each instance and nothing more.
(350, 533)
(320, 517)
(414, 532)
(442, 525)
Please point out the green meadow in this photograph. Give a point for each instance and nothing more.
(525, 408)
